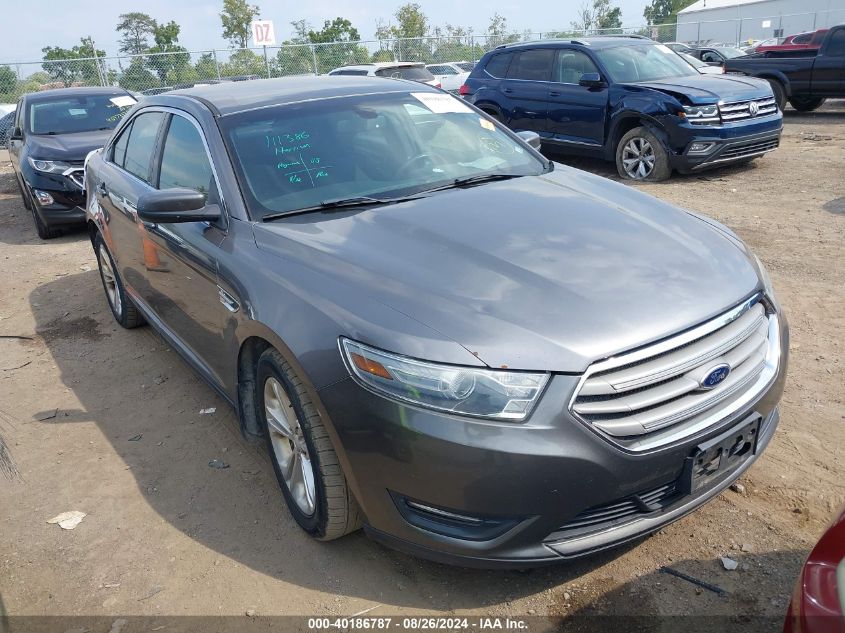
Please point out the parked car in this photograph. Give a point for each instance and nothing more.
(703, 67)
(716, 54)
(802, 41)
(678, 47)
(818, 601)
(397, 70)
(441, 334)
(450, 76)
(806, 79)
(628, 100)
(52, 134)
(151, 92)
(6, 124)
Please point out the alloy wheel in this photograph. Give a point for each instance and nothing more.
(638, 158)
(109, 280)
(289, 447)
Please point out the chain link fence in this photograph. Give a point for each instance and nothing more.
(160, 72)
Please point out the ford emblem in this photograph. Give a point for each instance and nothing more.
(716, 375)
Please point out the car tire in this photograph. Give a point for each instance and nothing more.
(803, 104)
(304, 460)
(641, 156)
(122, 308)
(779, 92)
(26, 201)
(44, 232)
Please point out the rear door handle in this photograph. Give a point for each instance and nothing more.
(554, 94)
(507, 90)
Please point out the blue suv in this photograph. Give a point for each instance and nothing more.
(627, 99)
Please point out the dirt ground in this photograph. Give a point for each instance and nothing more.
(106, 421)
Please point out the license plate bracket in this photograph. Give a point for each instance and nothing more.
(712, 460)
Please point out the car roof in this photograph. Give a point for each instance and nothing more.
(81, 91)
(598, 42)
(376, 65)
(228, 98)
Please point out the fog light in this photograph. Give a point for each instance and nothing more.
(700, 148)
(44, 198)
(451, 523)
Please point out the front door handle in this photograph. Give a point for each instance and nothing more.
(507, 90)
(554, 93)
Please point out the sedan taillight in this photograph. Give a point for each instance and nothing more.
(463, 90)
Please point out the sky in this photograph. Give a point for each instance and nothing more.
(40, 23)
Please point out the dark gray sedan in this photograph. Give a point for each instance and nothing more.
(476, 355)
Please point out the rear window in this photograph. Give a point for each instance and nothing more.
(802, 39)
(414, 73)
(465, 66)
(497, 66)
(533, 65)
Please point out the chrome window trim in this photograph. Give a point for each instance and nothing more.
(661, 439)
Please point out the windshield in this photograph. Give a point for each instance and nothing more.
(692, 61)
(387, 145)
(653, 62)
(729, 53)
(66, 115)
(414, 73)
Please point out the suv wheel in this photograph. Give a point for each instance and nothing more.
(640, 156)
(304, 460)
(779, 93)
(121, 305)
(806, 104)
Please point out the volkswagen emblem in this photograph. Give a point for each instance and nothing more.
(753, 108)
(714, 376)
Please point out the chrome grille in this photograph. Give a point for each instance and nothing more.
(746, 109)
(658, 394)
(77, 176)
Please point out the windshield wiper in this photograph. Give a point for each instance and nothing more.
(339, 203)
(473, 180)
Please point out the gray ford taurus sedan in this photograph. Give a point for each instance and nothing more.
(477, 355)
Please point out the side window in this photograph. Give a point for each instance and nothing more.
(571, 65)
(802, 39)
(498, 65)
(118, 153)
(532, 65)
(139, 148)
(184, 161)
(836, 45)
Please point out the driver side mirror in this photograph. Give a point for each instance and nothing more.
(176, 205)
(532, 138)
(17, 135)
(591, 80)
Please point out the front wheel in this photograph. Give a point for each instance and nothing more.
(779, 93)
(305, 462)
(122, 307)
(641, 156)
(806, 104)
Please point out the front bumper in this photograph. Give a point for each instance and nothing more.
(728, 143)
(523, 482)
(68, 198)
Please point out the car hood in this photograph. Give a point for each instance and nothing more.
(702, 89)
(66, 146)
(545, 273)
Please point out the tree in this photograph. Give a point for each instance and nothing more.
(664, 11)
(168, 59)
(497, 32)
(136, 77)
(412, 24)
(75, 65)
(598, 16)
(338, 30)
(206, 67)
(8, 80)
(339, 41)
(136, 28)
(236, 18)
(412, 21)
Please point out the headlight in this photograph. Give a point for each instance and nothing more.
(49, 166)
(764, 277)
(493, 394)
(702, 114)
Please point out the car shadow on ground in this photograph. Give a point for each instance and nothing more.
(691, 596)
(145, 401)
